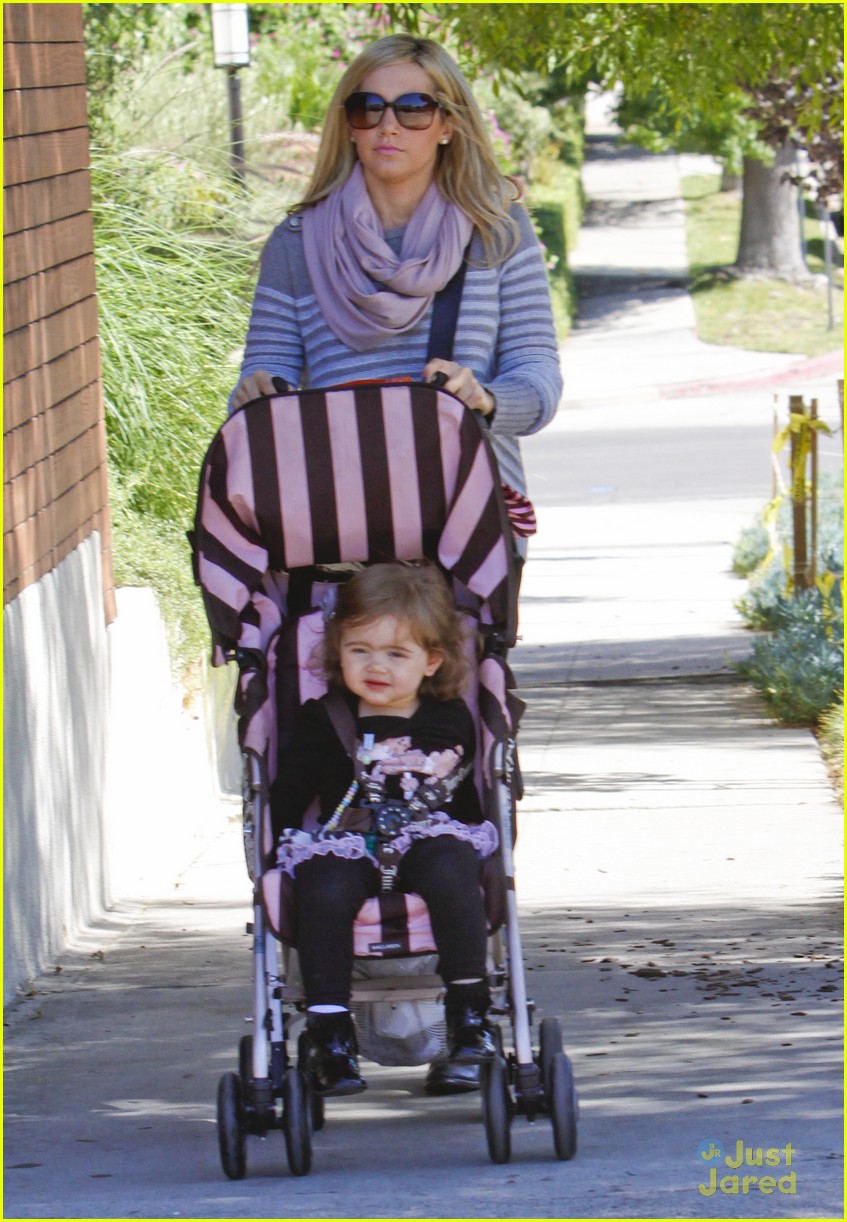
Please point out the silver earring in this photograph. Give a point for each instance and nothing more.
(444, 140)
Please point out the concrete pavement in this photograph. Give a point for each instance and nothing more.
(679, 873)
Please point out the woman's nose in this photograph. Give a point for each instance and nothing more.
(388, 122)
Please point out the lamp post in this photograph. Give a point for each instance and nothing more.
(231, 43)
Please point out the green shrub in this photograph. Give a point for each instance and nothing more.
(173, 303)
(751, 549)
(799, 671)
(799, 666)
(831, 739)
(550, 224)
(760, 605)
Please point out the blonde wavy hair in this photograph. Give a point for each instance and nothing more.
(466, 171)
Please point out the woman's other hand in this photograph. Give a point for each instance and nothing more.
(462, 383)
(254, 386)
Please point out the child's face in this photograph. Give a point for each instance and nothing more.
(384, 666)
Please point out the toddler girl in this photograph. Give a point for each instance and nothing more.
(393, 656)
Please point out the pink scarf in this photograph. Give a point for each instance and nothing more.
(366, 293)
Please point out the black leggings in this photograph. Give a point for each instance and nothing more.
(329, 892)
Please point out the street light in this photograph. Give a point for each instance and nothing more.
(231, 43)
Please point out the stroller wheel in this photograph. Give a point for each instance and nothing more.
(231, 1131)
(495, 1109)
(561, 1099)
(296, 1122)
(550, 1043)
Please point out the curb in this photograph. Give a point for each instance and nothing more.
(814, 367)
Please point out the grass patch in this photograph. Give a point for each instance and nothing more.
(762, 315)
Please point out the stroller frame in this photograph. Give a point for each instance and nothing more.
(271, 1090)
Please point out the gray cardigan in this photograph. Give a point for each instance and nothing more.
(504, 334)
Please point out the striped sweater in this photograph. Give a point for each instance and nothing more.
(504, 334)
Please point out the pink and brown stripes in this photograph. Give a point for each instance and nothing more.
(363, 474)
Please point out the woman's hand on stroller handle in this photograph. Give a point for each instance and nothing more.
(257, 385)
(461, 382)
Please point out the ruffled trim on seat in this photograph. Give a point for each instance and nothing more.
(483, 836)
(297, 846)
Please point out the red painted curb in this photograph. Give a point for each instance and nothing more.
(814, 367)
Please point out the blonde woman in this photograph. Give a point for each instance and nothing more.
(405, 187)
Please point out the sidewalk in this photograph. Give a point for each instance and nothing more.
(678, 872)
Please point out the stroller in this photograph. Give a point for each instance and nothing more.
(294, 488)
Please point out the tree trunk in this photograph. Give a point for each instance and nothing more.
(770, 243)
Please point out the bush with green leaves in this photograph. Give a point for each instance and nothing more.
(799, 671)
(799, 665)
(764, 549)
(173, 303)
(751, 549)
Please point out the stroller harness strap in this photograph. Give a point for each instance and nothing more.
(419, 810)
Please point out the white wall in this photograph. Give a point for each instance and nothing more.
(162, 804)
(56, 672)
(107, 787)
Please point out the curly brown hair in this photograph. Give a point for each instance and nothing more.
(419, 596)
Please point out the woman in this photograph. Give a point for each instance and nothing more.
(398, 192)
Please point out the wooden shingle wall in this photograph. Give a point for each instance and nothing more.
(55, 479)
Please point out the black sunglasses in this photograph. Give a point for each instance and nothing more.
(414, 110)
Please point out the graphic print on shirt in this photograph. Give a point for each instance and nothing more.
(396, 757)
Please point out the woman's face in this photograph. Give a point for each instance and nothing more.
(392, 155)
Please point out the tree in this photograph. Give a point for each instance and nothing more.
(700, 63)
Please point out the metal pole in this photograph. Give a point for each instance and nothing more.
(236, 125)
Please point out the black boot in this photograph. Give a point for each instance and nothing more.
(328, 1053)
(470, 1041)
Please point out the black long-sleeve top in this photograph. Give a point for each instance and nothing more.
(437, 739)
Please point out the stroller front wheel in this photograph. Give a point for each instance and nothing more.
(297, 1122)
(231, 1129)
(563, 1106)
(496, 1111)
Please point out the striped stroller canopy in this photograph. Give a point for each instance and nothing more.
(362, 474)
